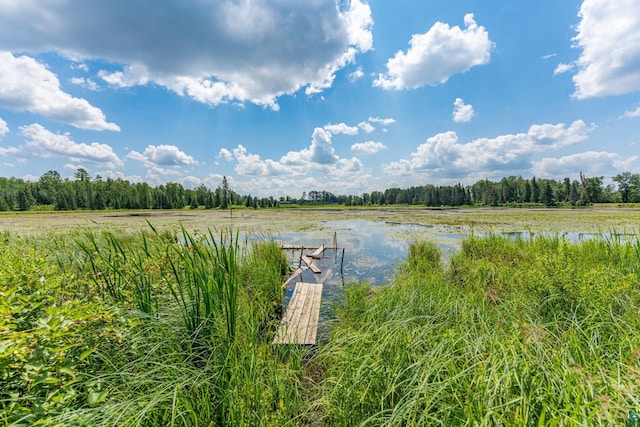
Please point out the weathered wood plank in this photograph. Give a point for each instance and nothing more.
(295, 247)
(310, 264)
(317, 253)
(287, 332)
(300, 322)
(314, 314)
(286, 246)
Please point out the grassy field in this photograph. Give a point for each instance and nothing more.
(107, 319)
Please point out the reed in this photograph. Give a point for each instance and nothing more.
(153, 328)
(534, 331)
(145, 328)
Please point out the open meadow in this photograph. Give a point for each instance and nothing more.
(167, 318)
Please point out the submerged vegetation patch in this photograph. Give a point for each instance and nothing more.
(175, 327)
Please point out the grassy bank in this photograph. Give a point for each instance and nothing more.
(174, 328)
(143, 329)
(535, 332)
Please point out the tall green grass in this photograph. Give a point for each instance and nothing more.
(145, 329)
(153, 328)
(526, 332)
(205, 359)
(203, 279)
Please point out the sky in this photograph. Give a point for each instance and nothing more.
(348, 96)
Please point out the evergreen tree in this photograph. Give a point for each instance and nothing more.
(225, 202)
(527, 192)
(567, 190)
(99, 202)
(3, 203)
(25, 199)
(574, 193)
(535, 190)
(547, 195)
(208, 201)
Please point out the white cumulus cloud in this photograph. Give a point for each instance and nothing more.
(435, 56)
(252, 165)
(595, 162)
(212, 51)
(321, 150)
(319, 158)
(632, 113)
(356, 75)
(225, 154)
(85, 83)
(4, 128)
(444, 156)
(41, 142)
(462, 113)
(341, 128)
(369, 147)
(9, 150)
(366, 126)
(563, 68)
(27, 85)
(609, 39)
(165, 157)
(384, 122)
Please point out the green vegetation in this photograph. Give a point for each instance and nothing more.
(174, 328)
(51, 191)
(525, 332)
(143, 329)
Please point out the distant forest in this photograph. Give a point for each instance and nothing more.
(95, 193)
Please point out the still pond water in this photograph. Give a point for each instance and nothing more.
(374, 250)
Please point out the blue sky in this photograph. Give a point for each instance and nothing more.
(283, 96)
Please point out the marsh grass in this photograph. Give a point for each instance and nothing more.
(527, 332)
(206, 358)
(144, 328)
(151, 328)
(203, 279)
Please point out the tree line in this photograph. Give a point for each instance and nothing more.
(509, 191)
(95, 193)
(85, 192)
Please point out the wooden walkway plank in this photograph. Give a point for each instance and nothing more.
(297, 247)
(314, 314)
(287, 333)
(310, 264)
(316, 254)
(300, 322)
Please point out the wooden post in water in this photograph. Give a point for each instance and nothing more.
(342, 263)
(300, 260)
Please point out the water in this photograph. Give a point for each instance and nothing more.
(374, 250)
(372, 253)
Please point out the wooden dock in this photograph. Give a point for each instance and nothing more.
(300, 322)
(299, 325)
(309, 262)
